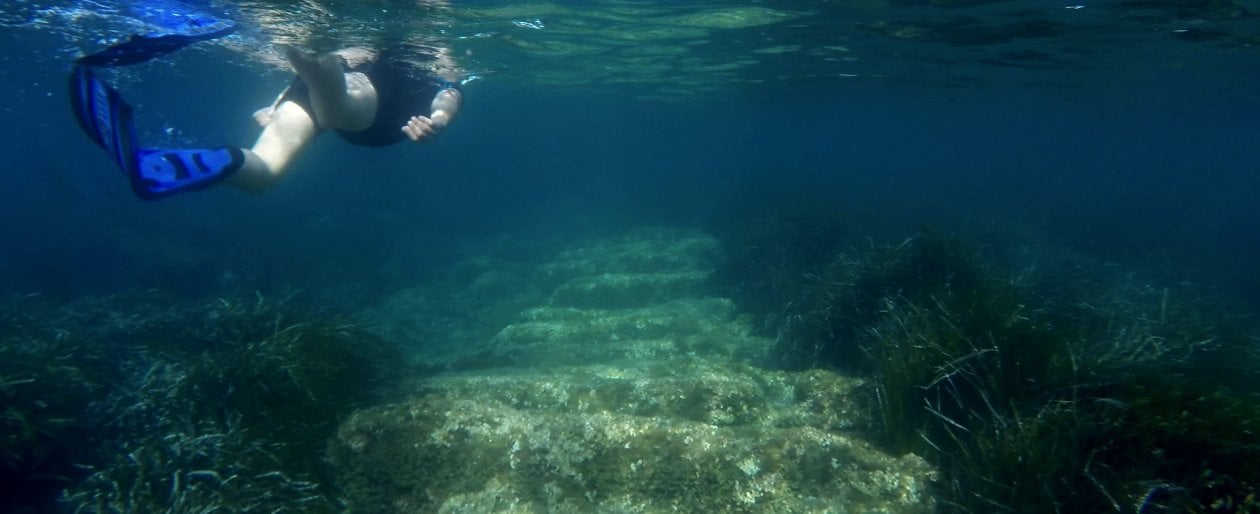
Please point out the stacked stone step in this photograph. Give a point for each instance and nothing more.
(635, 298)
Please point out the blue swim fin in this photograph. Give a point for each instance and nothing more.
(163, 172)
(143, 47)
(154, 172)
(104, 116)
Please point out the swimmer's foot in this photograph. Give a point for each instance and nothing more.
(302, 62)
(331, 102)
(316, 69)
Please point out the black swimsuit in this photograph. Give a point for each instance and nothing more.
(400, 95)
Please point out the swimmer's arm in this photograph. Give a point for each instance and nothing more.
(443, 110)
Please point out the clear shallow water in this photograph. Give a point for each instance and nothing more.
(1122, 131)
(1126, 129)
(702, 46)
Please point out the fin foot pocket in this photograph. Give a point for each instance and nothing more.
(163, 172)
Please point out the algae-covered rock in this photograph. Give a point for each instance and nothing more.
(451, 454)
(688, 434)
(645, 250)
(629, 298)
(696, 326)
(506, 284)
(630, 389)
(715, 392)
(620, 290)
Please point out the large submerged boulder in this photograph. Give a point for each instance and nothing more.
(628, 390)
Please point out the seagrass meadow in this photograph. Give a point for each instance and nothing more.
(1034, 380)
(931, 374)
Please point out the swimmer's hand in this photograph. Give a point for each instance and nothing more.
(423, 128)
(264, 116)
(444, 108)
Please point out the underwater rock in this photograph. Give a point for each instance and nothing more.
(469, 303)
(630, 298)
(644, 250)
(698, 326)
(630, 390)
(702, 390)
(458, 454)
(621, 290)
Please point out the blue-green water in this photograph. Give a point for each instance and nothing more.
(1125, 133)
(1118, 131)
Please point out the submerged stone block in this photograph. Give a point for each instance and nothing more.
(627, 290)
(630, 390)
(566, 336)
(445, 454)
(697, 389)
(645, 250)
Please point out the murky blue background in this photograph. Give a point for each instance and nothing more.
(1141, 150)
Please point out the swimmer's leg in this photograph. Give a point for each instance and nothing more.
(287, 133)
(341, 100)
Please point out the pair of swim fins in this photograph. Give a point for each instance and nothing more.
(107, 119)
(154, 173)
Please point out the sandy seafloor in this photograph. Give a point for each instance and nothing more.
(895, 258)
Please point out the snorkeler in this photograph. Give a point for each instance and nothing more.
(369, 98)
